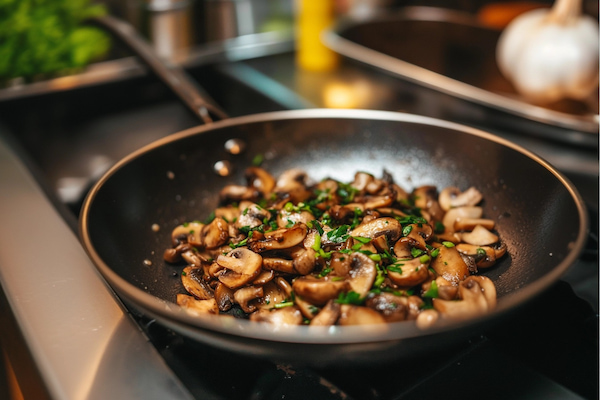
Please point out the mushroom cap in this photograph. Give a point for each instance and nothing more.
(241, 266)
(387, 226)
(318, 291)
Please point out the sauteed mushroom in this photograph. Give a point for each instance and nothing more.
(287, 252)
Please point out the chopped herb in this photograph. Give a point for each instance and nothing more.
(438, 227)
(481, 252)
(325, 272)
(258, 160)
(424, 259)
(395, 268)
(183, 273)
(317, 244)
(416, 252)
(361, 239)
(435, 252)
(349, 298)
(284, 304)
(375, 257)
(432, 292)
(406, 230)
(448, 244)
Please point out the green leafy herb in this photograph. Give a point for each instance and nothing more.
(350, 297)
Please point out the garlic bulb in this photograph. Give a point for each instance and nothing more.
(551, 54)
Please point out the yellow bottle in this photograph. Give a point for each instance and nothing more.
(312, 18)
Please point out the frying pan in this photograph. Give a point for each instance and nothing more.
(540, 216)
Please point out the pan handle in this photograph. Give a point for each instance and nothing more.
(171, 74)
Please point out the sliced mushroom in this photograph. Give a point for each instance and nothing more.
(198, 307)
(287, 218)
(473, 302)
(393, 308)
(467, 224)
(358, 315)
(459, 213)
(280, 239)
(188, 232)
(328, 315)
(387, 226)
(224, 297)
(244, 296)
(484, 256)
(304, 260)
(260, 179)
(318, 291)
(361, 180)
(479, 236)
(193, 281)
(286, 316)
(215, 234)
(413, 272)
(362, 273)
(192, 258)
(251, 215)
(278, 264)
(272, 294)
(426, 199)
(452, 197)
(241, 266)
(237, 193)
(450, 265)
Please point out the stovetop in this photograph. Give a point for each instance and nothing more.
(548, 349)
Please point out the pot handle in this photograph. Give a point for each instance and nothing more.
(171, 74)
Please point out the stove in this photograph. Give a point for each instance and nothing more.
(68, 336)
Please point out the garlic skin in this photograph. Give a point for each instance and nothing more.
(550, 55)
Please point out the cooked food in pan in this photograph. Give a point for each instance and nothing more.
(290, 251)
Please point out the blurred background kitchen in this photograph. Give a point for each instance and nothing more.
(74, 100)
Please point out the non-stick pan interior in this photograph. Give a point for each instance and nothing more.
(539, 215)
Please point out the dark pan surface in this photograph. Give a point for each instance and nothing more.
(539, 214)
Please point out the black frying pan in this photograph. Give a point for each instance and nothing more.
(539, 215)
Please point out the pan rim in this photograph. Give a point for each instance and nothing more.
(170, 312)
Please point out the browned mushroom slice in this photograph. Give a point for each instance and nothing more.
(473, 302)
(194, 283)
(318, 291)
(278, 264)
(195, 306)
(244, 296)
(273, 294)
(215, 234)
(260, 179)
(362, 273)
(287, 218)
(192, 258)
(229, 213)
(251, 215)
(263, 277)
(286, 316)
(455, 214)
(237, 193)
(361, 180)
(188, 232)
(484, 256)
(393, 308)
(359, 315)
(452, 197)
(407, 273)
(479, 236)
(241, 266)
(426, 199)
(450, 265)
(328, 315)
(280, 239)
(224, 297)
(293, 183)
(468, 224)
(304, 260)
(387, 226)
